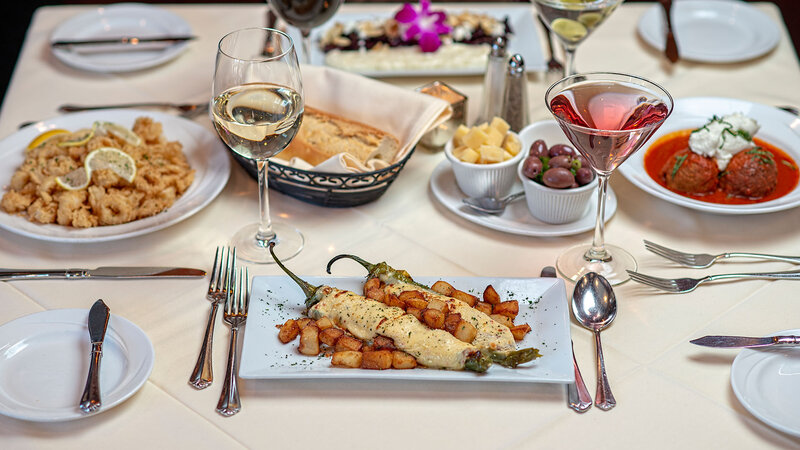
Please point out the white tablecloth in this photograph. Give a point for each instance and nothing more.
(670, 393)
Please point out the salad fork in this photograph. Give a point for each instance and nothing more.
(237, 303)
(683, 285)
(218, 287)
(703, 260)
(187, 110)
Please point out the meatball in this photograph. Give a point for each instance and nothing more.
(751, 174)
(686, 171)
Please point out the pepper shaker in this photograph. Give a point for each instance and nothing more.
(515, 96)
(493, 80)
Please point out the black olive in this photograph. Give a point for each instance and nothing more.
(558, 177)
(538, 148)
(564, 161)
(584, 176)
(561, 149)
(532, 167)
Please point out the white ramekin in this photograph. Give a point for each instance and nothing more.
(485, 180)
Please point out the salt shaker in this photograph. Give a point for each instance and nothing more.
(492, 102)
(515, 96)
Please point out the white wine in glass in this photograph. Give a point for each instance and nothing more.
(257, 109)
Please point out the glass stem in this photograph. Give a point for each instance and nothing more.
(598, 251)
(306, 43)
(265, 233)
(569, 60)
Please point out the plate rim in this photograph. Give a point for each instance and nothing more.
(215, 163)
(126, 330)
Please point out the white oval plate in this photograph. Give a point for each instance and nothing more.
(778, 127)
(123, 19)
(712, 30)
(767, 383)
(205, 152)
(44, 360)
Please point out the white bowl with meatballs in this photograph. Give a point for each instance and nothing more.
(558, 182)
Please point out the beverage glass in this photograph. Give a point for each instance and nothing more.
(572, 21)
(607, 117)
(257, 108)
(305, 15)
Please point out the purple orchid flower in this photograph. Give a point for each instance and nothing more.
(422, 25)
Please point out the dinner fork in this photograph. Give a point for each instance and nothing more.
(187, 110)
(703, 260)
(218, 287)
(552, 65)
(237, 303)
(683, 285)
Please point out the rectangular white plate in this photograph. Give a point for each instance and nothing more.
(524, 41)
(542, 305)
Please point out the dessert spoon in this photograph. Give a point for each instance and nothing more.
(491, 205)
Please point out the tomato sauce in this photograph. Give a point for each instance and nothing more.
(666, 146)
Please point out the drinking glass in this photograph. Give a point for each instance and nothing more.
(572, 21)
(257, 108)
(607, 117)
(305, 15)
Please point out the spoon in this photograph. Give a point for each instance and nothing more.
(491, 205)
(595, 307)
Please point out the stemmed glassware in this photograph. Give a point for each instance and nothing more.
(305, 15)
(257, 108)
(607, 117)
(572, 21)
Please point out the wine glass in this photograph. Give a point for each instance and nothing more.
(572, 21)
(607, 117)
(257, 109)
(305, 15)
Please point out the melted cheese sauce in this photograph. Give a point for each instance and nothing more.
(354, 313)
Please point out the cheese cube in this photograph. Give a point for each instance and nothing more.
(495, 137)
(475, 138)
(458, 137)
(469, 156)
(500, 125)
(512, 144)
(490, 154)
(458, 151)
(506, 155)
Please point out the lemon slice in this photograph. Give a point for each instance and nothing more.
(44, 137)
(590, 19)
(111, 158)
(571, 30)
(75, 180)
(120, 132)
(82, 138)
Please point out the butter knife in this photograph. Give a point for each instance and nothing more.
(98, 322)
(744, 341)
(101, 273)
(124, 40)
(670, 47)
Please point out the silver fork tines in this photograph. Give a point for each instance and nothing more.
(218, 286)
(703, 260)
(236, 305)
(683, 285)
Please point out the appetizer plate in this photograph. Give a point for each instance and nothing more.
(123, 19)
(45, 359)
(542, 305)
(712, 30)
(516, 219)
(766, 383)
(206, 153)
(524, 41)
(778, 127)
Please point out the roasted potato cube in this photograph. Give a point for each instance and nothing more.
(414, 299)
(368, 348)
(469, 299)
(329, 336)
(465, 331)
(505, 320)
(383, 343)
(443, 287)
(348, 343)
(433, 318)
(347, 358)
(416, 312)
(438, 305)
(324, 323)
(377, 360)
(484, 307)
(508, 308)
(451, 321)
(376, 294)
(289, 331)
(402, 360)
(519, 331)
(303, 322)
(393, 300)
(491, 296)
(309, 340)
(372, 283)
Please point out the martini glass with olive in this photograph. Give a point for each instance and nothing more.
(572, 21)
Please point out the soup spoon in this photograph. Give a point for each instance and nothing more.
(491, 205)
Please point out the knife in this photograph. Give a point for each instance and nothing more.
(671, 47)
(744, 341)
(98, 322)
(124, 40)
(101, 273)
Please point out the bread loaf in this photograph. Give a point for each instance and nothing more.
(323, 135)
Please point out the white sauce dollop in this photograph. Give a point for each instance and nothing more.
(722, 138)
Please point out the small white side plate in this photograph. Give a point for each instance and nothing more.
(44, 360)
(767, 383)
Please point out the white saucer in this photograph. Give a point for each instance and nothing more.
(516, 219)
(767, 382)
(44, 360)
(712, 30)
(122, 19)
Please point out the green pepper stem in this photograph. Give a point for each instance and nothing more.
(308, 289)
(385, 272)
(369, 266)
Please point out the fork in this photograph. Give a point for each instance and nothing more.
(236, 305)
(683, 285)
(188, 110)
(703, 260)
(552, 65)
(218, 286)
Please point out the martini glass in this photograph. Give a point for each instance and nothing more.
(607, 117)
(572, 21)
